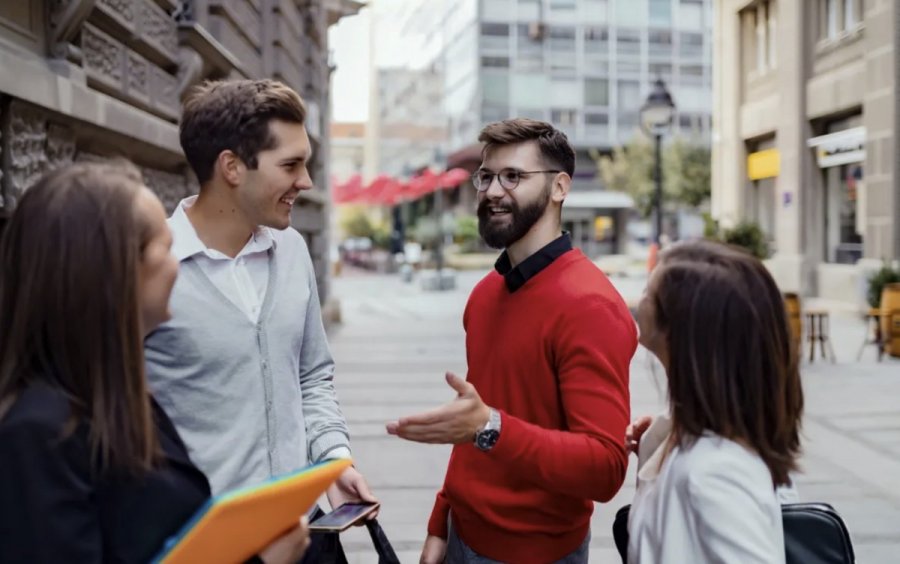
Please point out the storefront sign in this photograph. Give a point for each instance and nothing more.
(840, 148)
(763, 164)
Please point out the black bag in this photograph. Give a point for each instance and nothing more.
(814, 533)
(328, 549)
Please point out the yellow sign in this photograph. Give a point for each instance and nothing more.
(763, 164)
(602, 224)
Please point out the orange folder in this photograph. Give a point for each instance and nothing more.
(234, 526)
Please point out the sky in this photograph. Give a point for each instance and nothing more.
(351, 53)
(349, 41)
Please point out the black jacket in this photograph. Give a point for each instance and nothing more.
(54, 509)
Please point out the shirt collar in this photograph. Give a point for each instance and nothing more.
(186, 243)
(516, 277)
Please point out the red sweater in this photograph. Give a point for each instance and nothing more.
(553, 358)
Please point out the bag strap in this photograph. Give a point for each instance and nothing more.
(386, 554)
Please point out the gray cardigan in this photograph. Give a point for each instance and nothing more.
(250, 401)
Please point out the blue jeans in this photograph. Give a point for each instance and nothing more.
(459, 552)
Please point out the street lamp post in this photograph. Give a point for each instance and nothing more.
(656, 120)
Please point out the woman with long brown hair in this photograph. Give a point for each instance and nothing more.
(708, 471)
(92, 470)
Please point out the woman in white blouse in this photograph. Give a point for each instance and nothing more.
(708, 471)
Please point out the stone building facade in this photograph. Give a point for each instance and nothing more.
(89, 79)
(804, 143)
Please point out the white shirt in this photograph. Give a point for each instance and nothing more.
(711, 502)
(242, 279)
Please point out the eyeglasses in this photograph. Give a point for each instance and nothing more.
(509, 177)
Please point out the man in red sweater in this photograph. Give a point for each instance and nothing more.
(539, 424)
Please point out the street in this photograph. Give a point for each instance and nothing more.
(396, 342)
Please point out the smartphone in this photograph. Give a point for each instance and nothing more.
(343, 517)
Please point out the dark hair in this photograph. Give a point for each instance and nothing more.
(234, 115)
(553, 143)
(69, 311)
(732, 366)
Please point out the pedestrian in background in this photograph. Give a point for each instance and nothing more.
(709, 470)
(538, 424)
(91, 469)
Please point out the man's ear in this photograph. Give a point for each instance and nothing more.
(561, 186)
(230, 167)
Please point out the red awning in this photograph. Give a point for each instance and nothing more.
(426, 183)
(345, 192)
(454, 177)
(387, 190)
(379, 190)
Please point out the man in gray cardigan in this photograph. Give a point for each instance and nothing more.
(243, 367)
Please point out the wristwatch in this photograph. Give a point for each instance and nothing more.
(487, 436)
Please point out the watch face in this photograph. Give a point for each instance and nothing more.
(487, 439)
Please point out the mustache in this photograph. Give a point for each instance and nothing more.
(484, 211)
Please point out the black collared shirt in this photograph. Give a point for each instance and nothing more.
(517, 277)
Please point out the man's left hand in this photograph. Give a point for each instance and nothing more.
(350, 487)
(452, 423)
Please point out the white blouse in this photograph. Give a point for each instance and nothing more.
(711, 502)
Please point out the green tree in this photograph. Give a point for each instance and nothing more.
(630, 170)
(686, 173)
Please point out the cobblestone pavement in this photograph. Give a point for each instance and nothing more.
(396, 342)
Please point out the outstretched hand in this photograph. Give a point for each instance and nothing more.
(453, 423)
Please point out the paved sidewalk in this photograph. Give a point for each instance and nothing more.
(397, 341)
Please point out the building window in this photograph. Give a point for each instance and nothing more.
(629, 94)
(762, 29)
(495, 88)
(630, 13)
(596, 92)
(691, 74)
(495, 29)
(691, 44)
(838, 17)
(660, 42)
(759, 40)
(661, 12)
(531, 62)
(562, 38)
(532, 113)
(526, 41)
(596, 126)
(563, 5)
(628, 42)
(495, 62)
(490, 113)
(596, 39)
(844, 244)
(564, 118)
(660, 70)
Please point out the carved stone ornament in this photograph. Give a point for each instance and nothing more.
(103, 56)
(124, 9)
(60, 145)
(170, 187)
(138, 76)
(165, 91)
(27, 149)
(157, 25)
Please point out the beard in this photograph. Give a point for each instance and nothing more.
(500, 235)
